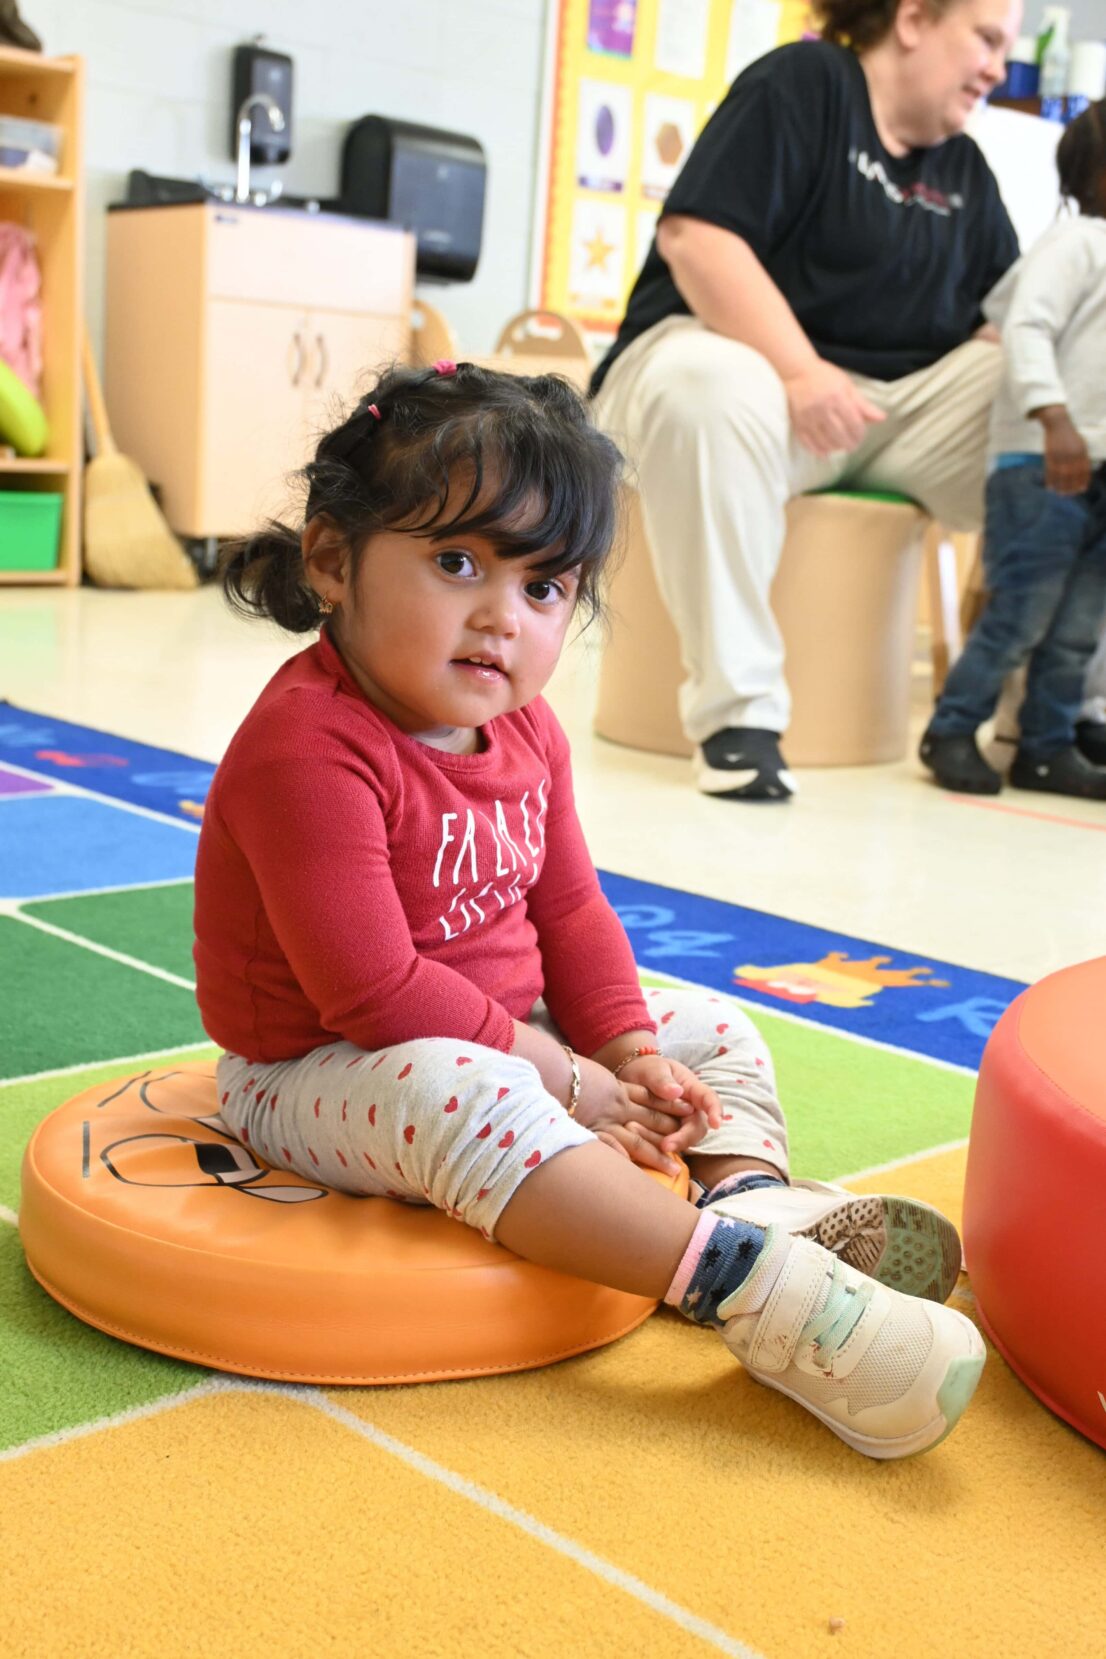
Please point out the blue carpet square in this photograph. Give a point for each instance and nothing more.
(67, 844)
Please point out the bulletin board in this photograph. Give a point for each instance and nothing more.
(629, 85)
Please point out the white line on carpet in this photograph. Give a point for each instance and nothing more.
(900, 1163)
(62, 786)
(9, 1216)
(134, 1414)
(809, 1024)
(100, 950)
(98, 892)
(495, 1505)
(199, 1049)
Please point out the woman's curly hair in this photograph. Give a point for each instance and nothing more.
(862, 23)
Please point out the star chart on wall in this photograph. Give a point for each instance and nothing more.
(598, 256)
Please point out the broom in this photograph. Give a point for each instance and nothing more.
(127, 543)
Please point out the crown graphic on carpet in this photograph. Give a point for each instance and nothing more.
(870, 969)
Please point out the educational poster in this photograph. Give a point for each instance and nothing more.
(611, 27)
(754, 30)
(598, 241)
(629, 86)
(681, 44)
(603, 136)
(669, 129)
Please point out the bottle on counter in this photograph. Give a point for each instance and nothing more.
(1054, 57)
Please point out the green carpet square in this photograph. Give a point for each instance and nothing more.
(63, 1005)
(61, 1372)
(152, 924)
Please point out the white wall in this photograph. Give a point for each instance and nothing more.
(159, 91)
(1088, 18)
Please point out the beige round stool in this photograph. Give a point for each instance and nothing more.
(845, 597)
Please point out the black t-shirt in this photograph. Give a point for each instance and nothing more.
(883, 259)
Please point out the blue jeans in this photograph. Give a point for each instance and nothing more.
(1044, 556)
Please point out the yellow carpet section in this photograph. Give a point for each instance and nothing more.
(252, 1524)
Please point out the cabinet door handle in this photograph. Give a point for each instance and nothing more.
(297, 372)
(324, 361)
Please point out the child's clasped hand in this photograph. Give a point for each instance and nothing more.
(652, 1112)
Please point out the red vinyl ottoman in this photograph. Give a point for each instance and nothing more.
(1035, 1194)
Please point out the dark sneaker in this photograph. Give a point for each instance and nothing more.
(957, 764)
(1065, 773)
(1090, 740)
(743, 763)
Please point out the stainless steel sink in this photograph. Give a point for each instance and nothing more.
(149, 190)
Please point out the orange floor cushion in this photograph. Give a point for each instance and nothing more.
(143, 1216)
(1035, 1193)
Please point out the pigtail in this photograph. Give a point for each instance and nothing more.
(452, 448)
(264, 576)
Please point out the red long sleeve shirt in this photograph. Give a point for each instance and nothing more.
(353, 882)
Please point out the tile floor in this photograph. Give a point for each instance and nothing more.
(1016, 887)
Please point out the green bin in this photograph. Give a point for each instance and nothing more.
(30, 529)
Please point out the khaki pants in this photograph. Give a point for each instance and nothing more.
(703, 421)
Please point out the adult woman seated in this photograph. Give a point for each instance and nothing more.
(809, 315)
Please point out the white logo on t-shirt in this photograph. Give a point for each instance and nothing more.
(507, 852)
(926, 196)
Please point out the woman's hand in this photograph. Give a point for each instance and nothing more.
(828, 413)
(628, 1118)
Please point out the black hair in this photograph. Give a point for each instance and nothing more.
(1081, 161)
(513, 457)
(862, 24)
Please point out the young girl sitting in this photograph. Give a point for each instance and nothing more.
(404, 950)
(1044, 540)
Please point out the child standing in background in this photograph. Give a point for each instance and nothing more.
(1044, 539)
(402, 945)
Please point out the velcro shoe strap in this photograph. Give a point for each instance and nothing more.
(789, 1306)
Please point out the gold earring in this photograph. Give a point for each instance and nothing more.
(326, 606)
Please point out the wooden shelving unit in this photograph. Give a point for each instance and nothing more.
(52, 208)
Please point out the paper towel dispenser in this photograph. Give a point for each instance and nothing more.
(430, 181)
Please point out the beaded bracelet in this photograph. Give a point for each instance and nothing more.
(635, 1054)
(574, 1089)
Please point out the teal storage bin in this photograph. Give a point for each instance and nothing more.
(30, 529)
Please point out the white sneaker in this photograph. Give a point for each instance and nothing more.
(889, 1374)
(901, 1242)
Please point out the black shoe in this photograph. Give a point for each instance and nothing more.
(743, 763)
(1090, 740)
(957, 764)
(1065, 773)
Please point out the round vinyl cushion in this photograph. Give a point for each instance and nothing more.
(22, 421)
(144, 1217)
(1035, 1193)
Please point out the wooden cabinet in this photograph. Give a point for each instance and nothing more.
(235, 336)
(50, 205)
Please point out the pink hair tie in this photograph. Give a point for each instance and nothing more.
(444, 366)
(375, 412)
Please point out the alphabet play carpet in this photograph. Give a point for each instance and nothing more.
(643, 1499)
